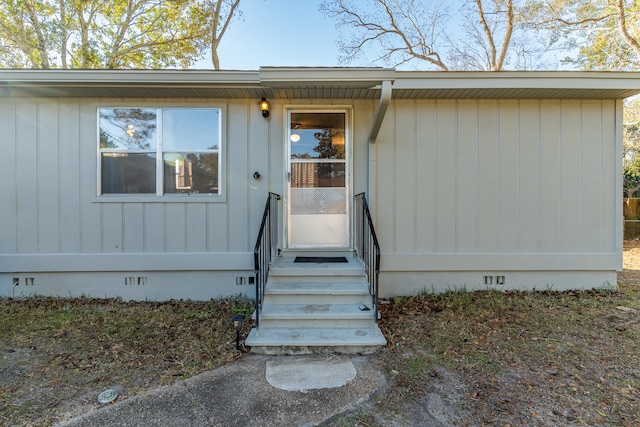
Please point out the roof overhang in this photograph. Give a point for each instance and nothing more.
(317, 83)
(516, 85)
(129, 83)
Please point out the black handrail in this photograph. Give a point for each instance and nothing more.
(367, 247)
(266, 249)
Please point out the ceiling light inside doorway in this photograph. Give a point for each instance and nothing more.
(295, 137)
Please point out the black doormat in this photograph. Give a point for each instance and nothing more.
(320, 259)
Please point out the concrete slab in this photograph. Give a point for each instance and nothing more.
(302, 374)
(238, 394)
(165, 406)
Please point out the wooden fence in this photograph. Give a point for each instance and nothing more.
(631, 212)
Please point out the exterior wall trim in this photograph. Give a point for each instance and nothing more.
(503, 261)
(48, 263)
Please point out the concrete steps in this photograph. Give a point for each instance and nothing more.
(316, 307)
(293, 341)
(317, 293)
(315, 316)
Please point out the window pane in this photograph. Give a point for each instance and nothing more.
(312, 174)
(126, 173)
(128, 128)
(318, 201)
(191, 173)
(190, 129)
(317, 136)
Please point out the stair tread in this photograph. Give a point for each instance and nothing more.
(369, 336)
(286, 266)
(315, 311)
(320, 288)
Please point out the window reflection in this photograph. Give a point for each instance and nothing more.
(317, 136)
(314, 174)
(190, 129)
(128, 128)
(132, 148)
(127, 173)
(190, 173)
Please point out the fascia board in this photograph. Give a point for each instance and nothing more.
(517, 80)
(122, 78)
(282, 77)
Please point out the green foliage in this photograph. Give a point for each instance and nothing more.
(631, 162)
(106, 34)
(597, 35)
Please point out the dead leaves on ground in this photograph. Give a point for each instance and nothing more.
(526, 358)
(68, 349)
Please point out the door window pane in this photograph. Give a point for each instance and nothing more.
(317, 174)
(317, 136)
(318, 201)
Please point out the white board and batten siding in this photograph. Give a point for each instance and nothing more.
(468, 192)
(60, 238)
(525, 190)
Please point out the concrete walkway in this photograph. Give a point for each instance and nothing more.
(256, 390)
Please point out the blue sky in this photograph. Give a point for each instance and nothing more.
(278, 33)
(296, 33)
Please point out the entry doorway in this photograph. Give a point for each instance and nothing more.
(318, 178)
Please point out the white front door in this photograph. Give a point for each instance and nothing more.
(318, 179)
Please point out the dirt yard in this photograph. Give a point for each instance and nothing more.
(512, 359)
(486, 358)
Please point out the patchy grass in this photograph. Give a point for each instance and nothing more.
(541, 358)
(57, 355)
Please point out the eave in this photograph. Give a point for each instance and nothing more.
(516, 85)
(316, 83)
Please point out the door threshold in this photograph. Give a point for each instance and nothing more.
(320, 252)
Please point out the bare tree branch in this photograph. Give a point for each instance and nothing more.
(391, 24)
(419, 29)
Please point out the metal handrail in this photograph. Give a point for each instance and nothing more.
(265, 250)
(367, 247)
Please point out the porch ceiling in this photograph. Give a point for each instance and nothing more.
(316, 83)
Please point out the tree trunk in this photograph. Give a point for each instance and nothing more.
(624, 31)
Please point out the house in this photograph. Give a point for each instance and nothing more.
(154, 184)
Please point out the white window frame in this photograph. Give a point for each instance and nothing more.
(159, 195)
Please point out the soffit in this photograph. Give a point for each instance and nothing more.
(516, 85)
(130, 84)
(316, 83)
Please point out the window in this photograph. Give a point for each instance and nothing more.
(159, 151)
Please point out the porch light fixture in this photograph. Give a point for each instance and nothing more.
(264, 107)
(238, 320)
(295, 136)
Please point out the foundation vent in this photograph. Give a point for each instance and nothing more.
(135, 281)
